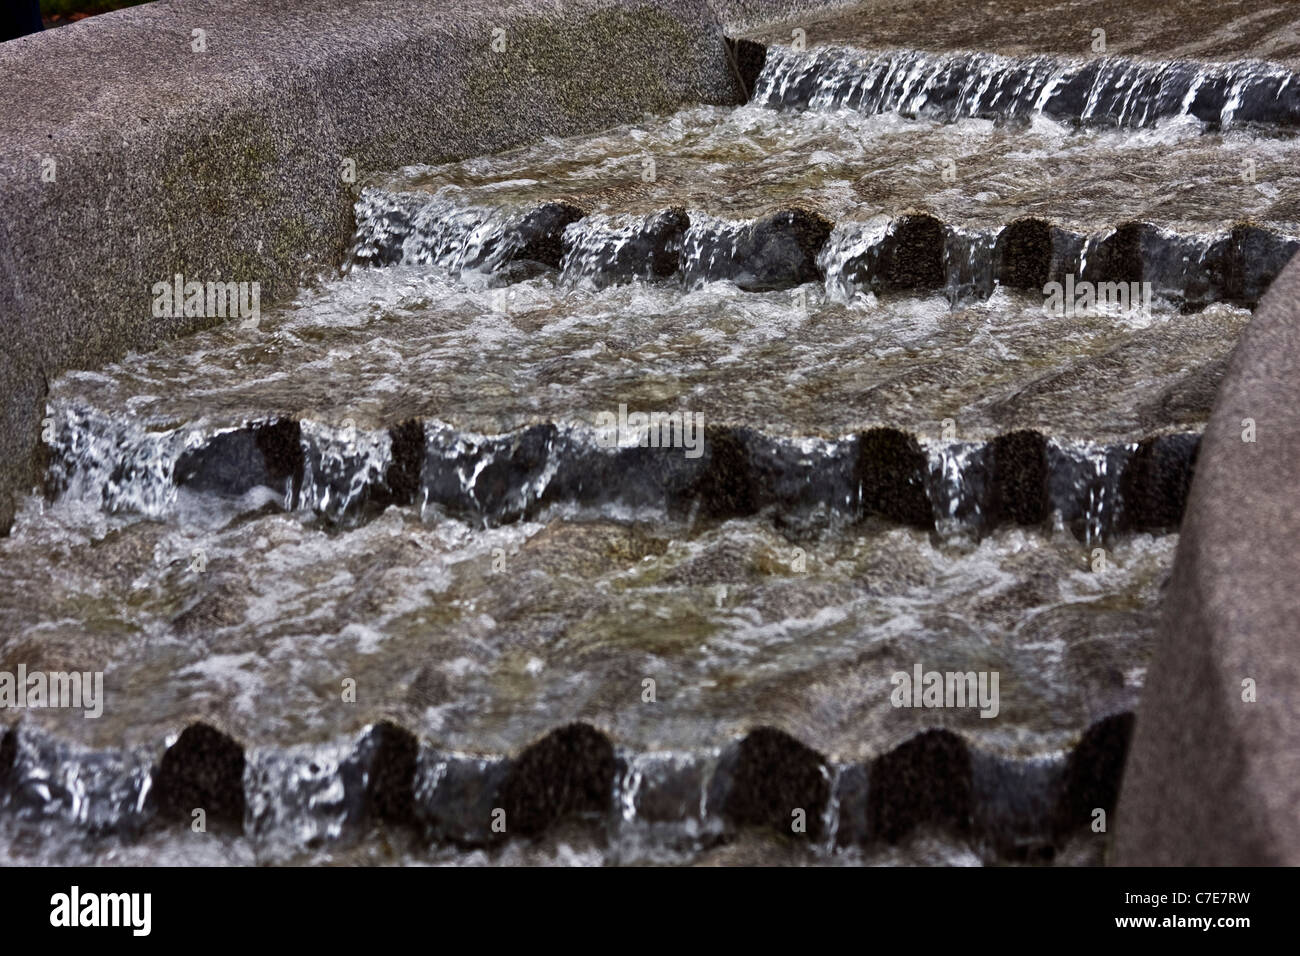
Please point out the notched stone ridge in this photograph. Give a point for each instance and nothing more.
(1019, 808)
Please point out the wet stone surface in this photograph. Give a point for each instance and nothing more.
(367, 571)
(581, 614)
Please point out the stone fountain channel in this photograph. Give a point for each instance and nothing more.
(365, 571)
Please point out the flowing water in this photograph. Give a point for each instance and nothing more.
(399, 554)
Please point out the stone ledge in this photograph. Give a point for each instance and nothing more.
(1212, 779)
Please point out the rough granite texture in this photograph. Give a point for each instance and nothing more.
(1212, 779)
(227, 165)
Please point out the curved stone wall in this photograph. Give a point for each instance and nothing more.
(1213, 776)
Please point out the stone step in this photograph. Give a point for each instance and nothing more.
(288, 802)
(1107, 91)
(662, 465)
